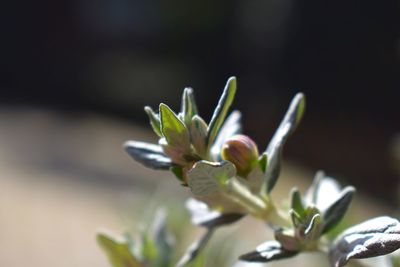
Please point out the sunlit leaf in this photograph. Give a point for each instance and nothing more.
(189, 108)
(198, 135)
(372, 238)
(275, 147)
(149, 155)
(221, 110)
(154, 120)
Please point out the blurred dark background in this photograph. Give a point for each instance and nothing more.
(114, 57)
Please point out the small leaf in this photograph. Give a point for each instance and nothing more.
(313, 231)
(263, 162)
(149, 155)
(336, 211)
(297, 220)
(296, 202)
(230, 128)
(275, 147)
(118, 251)
(221, 110)
(198, 135)
(189, 108)
(173, 129)
(154, 120)
(195, 248)
(268, 251)
(178, 172)
(202, 215)
(372, 238)
(323, 191)
(206, 178)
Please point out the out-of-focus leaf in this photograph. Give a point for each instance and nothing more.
(313, 231)
(118, 251)
(268, 251)
(173, 129)
(274, 148)
(263, 162)
(202, 215)
(296, 202)
(230, 128)
(149, 155)
(323, 191)
(287, 239)
(154, 120)
(189, 108)
(206, 178)
(372, 238)
(148, 249)
(198, 134)
(178, 172)
(221, 110)
(336, 211)
(162, 239)
(195, 248)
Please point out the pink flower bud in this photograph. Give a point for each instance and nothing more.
(241, 151)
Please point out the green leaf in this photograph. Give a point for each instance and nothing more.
(189, 108)
(372, 238)
(148, 249)
(178, 172)
(268, 251)
(221, 110)
(173, 129)
(198, 134)
(154, 120)
(150, 155)
(263, 162)
(296, 202)
(206, 178)
(274, 150)
(118, 251)
(336, 211)
(313, 231)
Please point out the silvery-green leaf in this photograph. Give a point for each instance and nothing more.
(297, 220)
(206, 178)
(221, 110)
(189, 108)
(202, 215)
(149, 155)
(323, 191)
(274, 149)
(230, 127)
(118, 251)
(154, 120)
(195, 248)
(173, 129)
(336, 211)
(198, 135)
(372, 238)
(268, 251)
(162, 239)
(313, 231)
(296, 203)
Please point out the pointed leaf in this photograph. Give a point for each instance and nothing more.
(372, 238)
(173, 129)
(202, 215)
(118, 251)
(334, 214)
(221, 110)
(297, 202)
(323, 191)
(198, 135)
(268, 251)
(313, 231)
(206, 178)
(178, 172)
(263, 162)
(230, 128)
(154, 120)
(149, 155)
(189, 108)
(275, 147)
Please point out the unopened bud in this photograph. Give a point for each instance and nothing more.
(241, 151)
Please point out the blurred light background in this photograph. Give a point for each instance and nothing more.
(75, 76)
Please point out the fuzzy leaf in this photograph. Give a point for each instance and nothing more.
(198, 135)
(149, 155)
(336, 211)
(202, 215)
(268, 251)
(206, 178)
(154, 120)
(189, 108)
(230, 128)
(118, 251)
(221, 110)
(372, 238)
(275, 147)
(173, 129)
